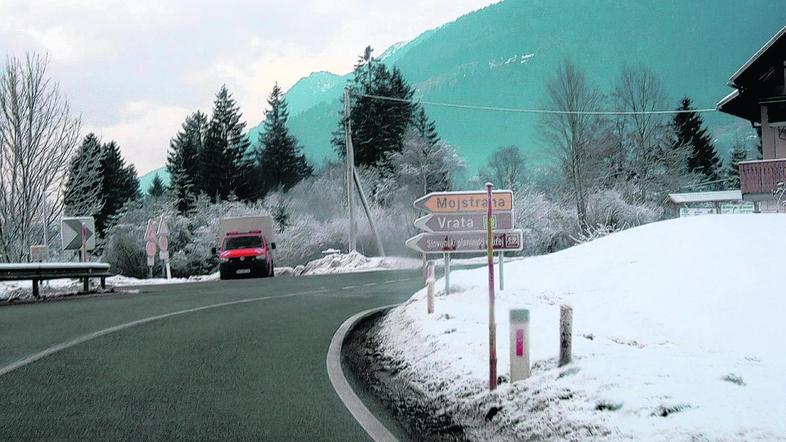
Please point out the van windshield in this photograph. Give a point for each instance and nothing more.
(242, 242)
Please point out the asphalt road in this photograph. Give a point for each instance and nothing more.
(252, 370)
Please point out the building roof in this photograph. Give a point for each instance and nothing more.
(705, 197)
(750, 79)
(750, 70)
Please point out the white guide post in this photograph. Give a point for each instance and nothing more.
(519, 344)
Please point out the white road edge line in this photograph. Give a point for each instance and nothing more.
(90, 336)
(375, 429)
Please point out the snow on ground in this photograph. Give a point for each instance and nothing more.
(678, 329)
(355, 262)
(330, 264)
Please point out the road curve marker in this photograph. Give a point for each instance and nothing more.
(375, 429)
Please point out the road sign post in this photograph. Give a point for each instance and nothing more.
(430, 280)
(163, 244)
(447, 273)
(490, 256)
(501, 271)
(83, 235)
(150, 246)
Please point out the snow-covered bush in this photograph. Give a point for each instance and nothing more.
(547, 225)
(610, 208)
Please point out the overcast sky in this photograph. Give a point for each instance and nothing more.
(135, 68)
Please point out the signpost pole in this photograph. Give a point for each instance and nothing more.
(447, 273)
(84, 242)
(492, 325)
(501, 271)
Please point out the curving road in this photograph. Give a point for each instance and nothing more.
(220, 360)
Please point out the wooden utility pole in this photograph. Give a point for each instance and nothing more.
(353, 180)
(350, 156)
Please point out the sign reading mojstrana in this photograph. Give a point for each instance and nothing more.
(465, 202)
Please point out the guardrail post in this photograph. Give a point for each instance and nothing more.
(103, 282)
(35, 288)
(565, 334)
(86, 284)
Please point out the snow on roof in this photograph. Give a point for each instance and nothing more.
(705, 197)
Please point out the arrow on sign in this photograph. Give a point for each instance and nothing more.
(465, 202)
(465, 242)
(451, 222)
(72, 233)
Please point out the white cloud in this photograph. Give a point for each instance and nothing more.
(143, 132)
(137, 68)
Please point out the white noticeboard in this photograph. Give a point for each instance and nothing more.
(696, 211)
(71, 232)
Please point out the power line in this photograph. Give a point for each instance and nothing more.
(536, 111)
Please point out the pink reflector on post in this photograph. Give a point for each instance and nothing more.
(520, 342)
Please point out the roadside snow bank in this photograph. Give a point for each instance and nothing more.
(355, 262)
(677, 330)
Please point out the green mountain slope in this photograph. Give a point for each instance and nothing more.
(502, 55)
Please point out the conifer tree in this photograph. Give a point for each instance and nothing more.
(689, 130)
(737, 154)
(225, 166)
(378, 124)
(279, 158)
(82, 194)
(156, 188)
(120, 184)
(426, 128)
(183, 161)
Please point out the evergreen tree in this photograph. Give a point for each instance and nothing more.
(156, 188)
(120, 184)
(183, 161)
(225, 166)
(82, 194)
(378, 125)
(737, 154)
(689, 131)
(426, 128)
(279, 158)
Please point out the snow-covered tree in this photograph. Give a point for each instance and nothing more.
(505, 168)
(38, 136)
(183, 161)
(225, 166)
(378, 125)
(575, 134)
(82, 194)
(739, 152)
(424, 166)
(156, 188)
(280, 160)
(690, 131)
(119, 185)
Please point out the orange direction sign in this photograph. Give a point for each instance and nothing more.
(465, 242)
(465, 202)
(463, 222)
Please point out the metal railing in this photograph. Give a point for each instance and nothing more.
(37, 272)
(762, 176)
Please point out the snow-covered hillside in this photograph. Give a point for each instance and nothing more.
(677, 335)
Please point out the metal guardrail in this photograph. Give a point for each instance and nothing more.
(37, 272)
